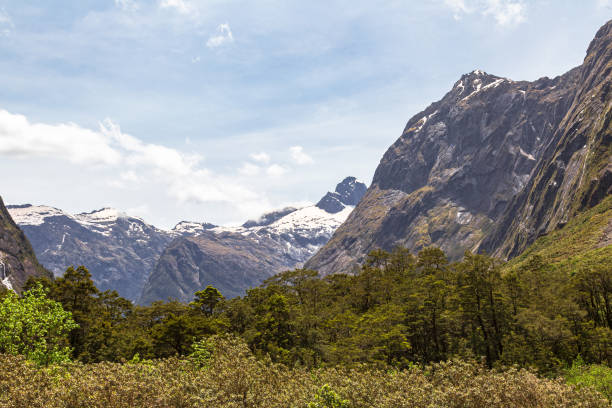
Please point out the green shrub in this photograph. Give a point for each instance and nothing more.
(595, 376)
(35, 326)
(327, 398)
(202, 353)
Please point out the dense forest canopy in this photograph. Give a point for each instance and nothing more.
(399, 309)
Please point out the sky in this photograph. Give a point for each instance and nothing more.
(221, 110)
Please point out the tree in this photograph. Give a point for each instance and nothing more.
(206, 300)
(35, 326)
(480, 285)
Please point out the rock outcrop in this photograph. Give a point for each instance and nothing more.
(490, 166)
(17, 259)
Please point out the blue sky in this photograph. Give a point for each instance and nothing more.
(216, 111)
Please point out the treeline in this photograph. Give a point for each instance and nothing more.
(398, 310)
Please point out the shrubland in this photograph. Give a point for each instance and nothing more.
(234, 377)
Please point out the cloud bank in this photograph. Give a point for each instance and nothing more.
(181, 175)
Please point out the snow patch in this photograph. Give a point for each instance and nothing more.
(4, 278)
(480, 88)
(34, 215)
(103, 215)
(527, 155)
(463, 216)
(460, 86)
(424, 120)
(190, 227)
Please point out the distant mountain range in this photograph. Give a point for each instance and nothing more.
(235, 259)
(490, 167)
(121, 251)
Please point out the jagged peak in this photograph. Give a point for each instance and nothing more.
(347, 193)
(602, 38)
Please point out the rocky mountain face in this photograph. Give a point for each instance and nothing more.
(575, 171)
(119, 250)
(348, 192)
(490, 166)
(17, 259)
(235, 259)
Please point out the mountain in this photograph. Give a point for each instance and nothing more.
(235, 259)
(575, 172)
(349, 192)
(491, 166)
(119, 250)
(17, 259)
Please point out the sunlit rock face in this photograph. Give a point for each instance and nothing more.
(491, 166)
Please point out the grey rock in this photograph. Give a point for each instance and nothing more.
(17, 259)
(235, 259)
(348, 192)
(491, 166)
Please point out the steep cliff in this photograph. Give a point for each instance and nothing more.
(17, 259)
(490, 166)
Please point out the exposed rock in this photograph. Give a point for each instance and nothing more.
(348, 192)
(235, 259)
(17, 259)
(575, 170)
(119, 250)
(527, 153)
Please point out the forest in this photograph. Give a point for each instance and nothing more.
(400, 314)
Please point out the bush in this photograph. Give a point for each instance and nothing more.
(598, 377)
(236, 379)
(35, 326)
(327, 398)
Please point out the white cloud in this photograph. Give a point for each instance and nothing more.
(6, 23)
(68, 142)
(458, 7)
(604, 3)
(224, 36)
(504, 12)
(179, 5)
(275, 170)
(132, 160)
(299, 156)
(142, 210)
(249, 169)
(261, 157)
(127, 5)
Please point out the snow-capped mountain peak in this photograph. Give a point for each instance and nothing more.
(28, 214)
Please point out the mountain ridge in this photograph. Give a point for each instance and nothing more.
(460, 164)
(234, 259)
